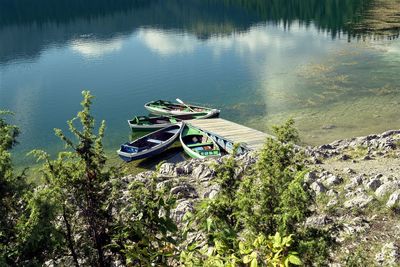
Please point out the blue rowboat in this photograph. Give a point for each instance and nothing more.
(151, 144)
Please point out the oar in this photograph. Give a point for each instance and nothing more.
(181, 102)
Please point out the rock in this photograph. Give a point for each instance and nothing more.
(377, 154)
(359, 201)
(211, 192)
(318, 188)
(344, 157)
(181, 209)
(349, 171)
(367, 157)
(332, 202)
(389, 255)
(166, 184)
(326, 146)
(394, 200)
(184, 191)
(373, 184)
(167, 169)
(184, 170)
(310, 177)
(387, 188)
(332, 193)
(203, 173)
(354, 182)
(357, 180)
(333, 180)
(390, 133)
(354, 226)
(318, 221)
(315, 160)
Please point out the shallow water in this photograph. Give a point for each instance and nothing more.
(261, 63)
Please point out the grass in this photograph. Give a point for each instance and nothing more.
(358, 152)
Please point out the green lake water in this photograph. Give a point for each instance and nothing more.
(260, 62)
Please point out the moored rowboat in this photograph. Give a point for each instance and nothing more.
(197, 144)
(162, 107)
(158, 122)
(151, 144)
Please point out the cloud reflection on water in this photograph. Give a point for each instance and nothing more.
(95, 49)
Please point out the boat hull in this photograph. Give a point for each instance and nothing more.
(192, 153)
(162, 111)
(155, 150)
(129, 158)
(178, 118)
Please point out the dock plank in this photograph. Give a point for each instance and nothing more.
(234, 132)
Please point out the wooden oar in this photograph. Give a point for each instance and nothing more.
(181, 102)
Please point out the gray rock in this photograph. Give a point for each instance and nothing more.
(211, 192)
(318, 188)
(350, 187)
(166, 184)
(184, 170)
(310, 177)
(359, 201)
(344, 157)
(354, 192)
(203, 173)
(332, 193)
(373, 184)
(387, 188)
(367, 157)
(167, 169)
(333, 180)
(357, 180)
(318, 221)
(332, 202)
(394, 199)
(389, 255)
(326, 146)
(181, 209)
(349, 171)
(184, 191)
(354, 226)
(390, 133)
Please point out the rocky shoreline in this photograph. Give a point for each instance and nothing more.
(356, 184)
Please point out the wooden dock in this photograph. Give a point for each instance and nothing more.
(231, 132)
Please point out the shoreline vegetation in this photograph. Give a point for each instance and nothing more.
(282, 206)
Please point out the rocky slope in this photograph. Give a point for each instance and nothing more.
(356, 183)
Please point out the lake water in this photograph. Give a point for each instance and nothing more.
(260, 62)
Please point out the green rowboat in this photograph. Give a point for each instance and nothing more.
(162, 107)
(145, 123)
(197, 144)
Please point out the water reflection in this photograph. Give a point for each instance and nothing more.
(93, 48)
(25, 34)
(167, 43)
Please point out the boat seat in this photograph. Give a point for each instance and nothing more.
(154, 141)
(200, 144)
(174, 131)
